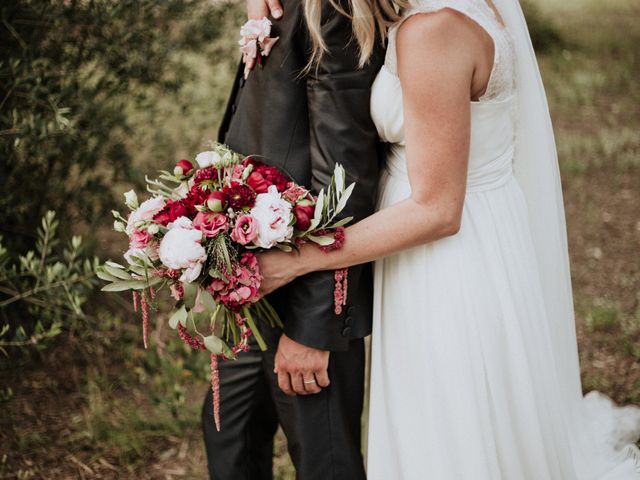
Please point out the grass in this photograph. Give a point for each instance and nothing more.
(98, 406)
(595, 102)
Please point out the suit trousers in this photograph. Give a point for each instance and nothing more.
(323, 430)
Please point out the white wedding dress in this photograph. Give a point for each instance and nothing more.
(466, 380)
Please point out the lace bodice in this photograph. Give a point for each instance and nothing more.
(502, 79)
(492, 116)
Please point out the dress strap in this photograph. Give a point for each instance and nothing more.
(501, 80)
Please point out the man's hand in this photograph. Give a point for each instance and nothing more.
(301, 370)
(256, 9)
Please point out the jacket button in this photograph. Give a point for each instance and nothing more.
(233, 108)
(346, 331)
(350, 310)
(348, 321)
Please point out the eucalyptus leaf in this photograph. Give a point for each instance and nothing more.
(103, 275)
(324, 240)
(179, 315)
(341, 223)
(123, 285)
(338, 176)
(214, 344)
(113, 264)
(345, 197)
(117, 272)
(190, 294)
(207, 301)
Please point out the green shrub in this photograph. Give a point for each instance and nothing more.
(42, 288)
(70, 74)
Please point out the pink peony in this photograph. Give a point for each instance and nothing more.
(245, 231)
(146, 211)
(181, 249)
(211, 224)
(273, 215)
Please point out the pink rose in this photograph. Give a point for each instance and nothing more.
(139, 239)
(211, 224)
(245, 231)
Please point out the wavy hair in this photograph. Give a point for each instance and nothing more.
(369, 18)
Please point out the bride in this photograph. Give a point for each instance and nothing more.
(474, 360)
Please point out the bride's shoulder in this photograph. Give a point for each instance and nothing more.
(443, 29)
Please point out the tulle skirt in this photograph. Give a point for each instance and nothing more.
(463, 380)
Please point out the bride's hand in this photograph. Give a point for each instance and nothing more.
(278, 268)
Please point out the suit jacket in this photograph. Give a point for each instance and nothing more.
(305, 124)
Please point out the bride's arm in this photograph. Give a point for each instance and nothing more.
(436, 65)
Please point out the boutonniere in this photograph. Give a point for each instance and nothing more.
(255, 43)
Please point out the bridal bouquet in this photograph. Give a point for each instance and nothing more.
(197, 235)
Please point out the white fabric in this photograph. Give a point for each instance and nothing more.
(474, 359)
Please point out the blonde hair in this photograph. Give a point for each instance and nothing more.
(369, 19)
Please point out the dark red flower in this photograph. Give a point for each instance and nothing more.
(216, 201)
(240, 196)
(183, 167)
(172, 210)
(205, 174)
(273, 176)
(257, 182)
(196, 196)
(303, 214)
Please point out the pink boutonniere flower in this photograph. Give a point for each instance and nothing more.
(255, 43)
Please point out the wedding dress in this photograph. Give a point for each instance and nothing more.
(474, 370)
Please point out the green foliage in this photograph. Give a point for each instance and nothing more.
(42, 288)
(71, 73)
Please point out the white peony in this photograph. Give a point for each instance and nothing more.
(180, 249)
(145, 211)
(273, 215)
(208, 159)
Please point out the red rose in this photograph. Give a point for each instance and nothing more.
(183, 167)
(303, 214)
(257, 182)
(170, 212)
(273, 176)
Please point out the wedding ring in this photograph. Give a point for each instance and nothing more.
(309, 382)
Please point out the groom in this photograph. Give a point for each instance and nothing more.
(304, 124)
